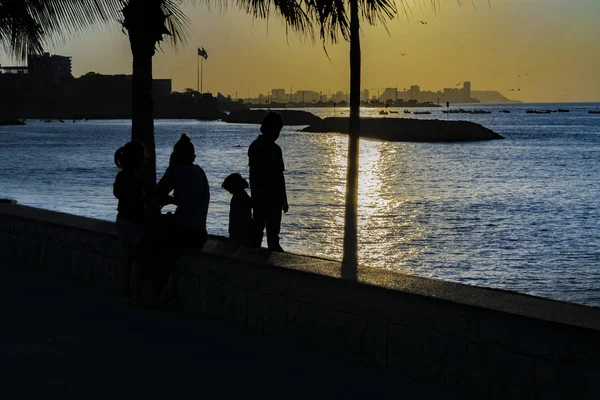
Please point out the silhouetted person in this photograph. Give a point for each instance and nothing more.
(240, 210)
(128, 188)
(186, 228)
(267, 183)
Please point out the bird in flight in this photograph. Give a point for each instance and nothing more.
(423, 22)
(458, 84)
(512, 90)
(403, 54)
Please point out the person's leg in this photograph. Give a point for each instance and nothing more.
(274, 225)
(259, 220)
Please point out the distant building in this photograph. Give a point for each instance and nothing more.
(307, 96)
(339, 96)
(278, 95)
(364, 95)
(465, 93)
(389, 94)
(415, 91)
(49, 67)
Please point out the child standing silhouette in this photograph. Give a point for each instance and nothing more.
(240, 209)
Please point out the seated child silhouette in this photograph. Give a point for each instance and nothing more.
(240, 209)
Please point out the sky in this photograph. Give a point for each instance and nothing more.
(546, 48)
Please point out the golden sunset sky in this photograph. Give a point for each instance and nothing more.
(555, 42)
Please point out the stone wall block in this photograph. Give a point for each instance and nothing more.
(235, 306)
(592, 385)
(302, 325)
(254, 312)
(203, 292)
(345, 333)
(188, 290)
(573, 383)
(214, 298)
(477, 378)
(8, 247)
(58, 260)
(374, 352)
(530, 339)
(455, 360)
(546, 380)
(434, 357)
(274, 316)
(405, 310)
(405, 351)
(79, 264)
(522, 375)
(496, 330)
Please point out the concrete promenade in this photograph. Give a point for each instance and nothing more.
(63, 341)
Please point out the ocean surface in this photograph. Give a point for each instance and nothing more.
(520, 214)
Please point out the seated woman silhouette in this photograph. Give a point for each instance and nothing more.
(186, 228)
(191, 194)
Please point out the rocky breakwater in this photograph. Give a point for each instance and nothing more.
(290, 117)
(10, 122)
(409, 130)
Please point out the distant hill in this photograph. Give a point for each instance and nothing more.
(491, 96)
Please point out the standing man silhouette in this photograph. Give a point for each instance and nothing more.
(267, 184)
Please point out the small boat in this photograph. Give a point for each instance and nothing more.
(505, 111)
(406, 111)
(538, 112)
(562, 110)
(422, 112)
(383, 112)
(61, 120)
(47, 120)
(594, 112)
(479, 112)
(393, 112)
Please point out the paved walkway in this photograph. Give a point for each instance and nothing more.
(59, 340)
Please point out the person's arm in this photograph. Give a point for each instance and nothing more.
(285, 206)
(281, 184)
(164, 187)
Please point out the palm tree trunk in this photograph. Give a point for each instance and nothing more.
(142, 109)
(350, 258)
(143, 44)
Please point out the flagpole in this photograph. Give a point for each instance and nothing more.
(201, 71)
(198, 71)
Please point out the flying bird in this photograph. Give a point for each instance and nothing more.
(458, 84)
(512, 90)
(423, 22)
(403, 54)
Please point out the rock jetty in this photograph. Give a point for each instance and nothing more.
(409, 130)
(8, 122)
(290, 117)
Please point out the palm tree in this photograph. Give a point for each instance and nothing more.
(28, 26)
(333, 19)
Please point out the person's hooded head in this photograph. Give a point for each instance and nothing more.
(184, 151)
(271, 125)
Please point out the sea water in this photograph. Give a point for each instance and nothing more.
(521, 214)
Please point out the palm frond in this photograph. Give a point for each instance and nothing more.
(178, 24)
(30, 25)
(293, 12)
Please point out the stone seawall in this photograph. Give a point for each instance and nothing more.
(480, 342)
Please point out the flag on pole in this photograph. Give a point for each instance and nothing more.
(202, 53)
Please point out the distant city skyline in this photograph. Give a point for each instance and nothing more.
(548, 51)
